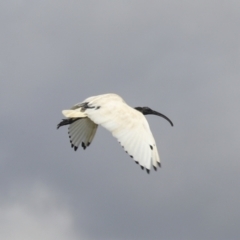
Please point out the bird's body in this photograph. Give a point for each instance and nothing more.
(127, 124)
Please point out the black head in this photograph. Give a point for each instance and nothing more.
(144, 110)
(147, 110)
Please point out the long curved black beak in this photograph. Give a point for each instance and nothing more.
(161, 115)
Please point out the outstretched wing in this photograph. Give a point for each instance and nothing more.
(82, 131)
(131, 129)
(139, 144)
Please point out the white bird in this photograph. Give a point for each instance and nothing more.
(127, 124)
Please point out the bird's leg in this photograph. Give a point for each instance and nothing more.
(67, 122)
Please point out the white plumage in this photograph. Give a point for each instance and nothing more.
(127, 124)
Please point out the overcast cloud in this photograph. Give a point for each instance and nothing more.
(181, 58)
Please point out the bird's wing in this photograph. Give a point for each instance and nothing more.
(131, 129)
(82, 131)
(139, 144)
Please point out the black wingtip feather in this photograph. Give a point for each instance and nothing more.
(154, 168)
(83, 145)
(159, 164)
(148, 171)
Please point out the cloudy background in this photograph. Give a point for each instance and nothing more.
(181, 58)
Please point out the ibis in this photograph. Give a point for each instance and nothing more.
(127, 124)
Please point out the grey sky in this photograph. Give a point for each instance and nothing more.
(181, 58)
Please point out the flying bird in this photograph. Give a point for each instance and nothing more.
(127, 124)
